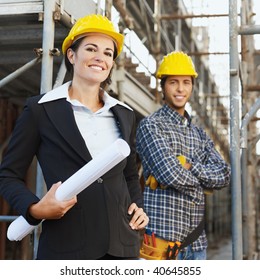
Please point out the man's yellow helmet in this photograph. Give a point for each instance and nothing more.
(176, 63)
(93, 23)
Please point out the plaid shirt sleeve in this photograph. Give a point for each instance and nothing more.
(208, 166)
(159, 158)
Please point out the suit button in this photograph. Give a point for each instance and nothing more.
(100, 180)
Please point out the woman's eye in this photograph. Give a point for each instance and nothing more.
(91, 49)
(110, 54)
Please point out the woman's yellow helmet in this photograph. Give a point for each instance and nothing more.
(93, 23)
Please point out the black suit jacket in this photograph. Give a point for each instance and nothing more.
(98, 223)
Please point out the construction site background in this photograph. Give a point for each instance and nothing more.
(31, 63)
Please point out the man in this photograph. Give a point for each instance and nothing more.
(182, 159)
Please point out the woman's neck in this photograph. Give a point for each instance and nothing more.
(88, 95)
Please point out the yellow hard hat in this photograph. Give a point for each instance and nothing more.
(93, 23)
(176, 63)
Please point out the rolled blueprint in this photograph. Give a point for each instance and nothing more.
(79, 181)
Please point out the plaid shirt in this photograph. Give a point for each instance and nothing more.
(176, 210)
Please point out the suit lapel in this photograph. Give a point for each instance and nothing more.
(122, 120)
(61, 115)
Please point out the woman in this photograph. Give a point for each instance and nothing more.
(65, 128)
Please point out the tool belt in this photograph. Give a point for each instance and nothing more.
(154, 248)
(164, 249)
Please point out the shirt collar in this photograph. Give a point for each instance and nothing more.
(63, 92)
(184, 120)
(56, 93)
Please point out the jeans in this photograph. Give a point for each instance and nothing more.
(188, 254)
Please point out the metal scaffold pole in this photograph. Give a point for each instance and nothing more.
(46, 80)
(237, 243)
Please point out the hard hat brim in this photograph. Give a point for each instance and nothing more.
(117, 37)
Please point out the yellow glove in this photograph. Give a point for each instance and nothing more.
(151, 182)
(182, 159)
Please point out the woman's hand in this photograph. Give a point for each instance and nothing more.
(49, 207)
(139, 218)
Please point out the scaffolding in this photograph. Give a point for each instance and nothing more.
(162, 26)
